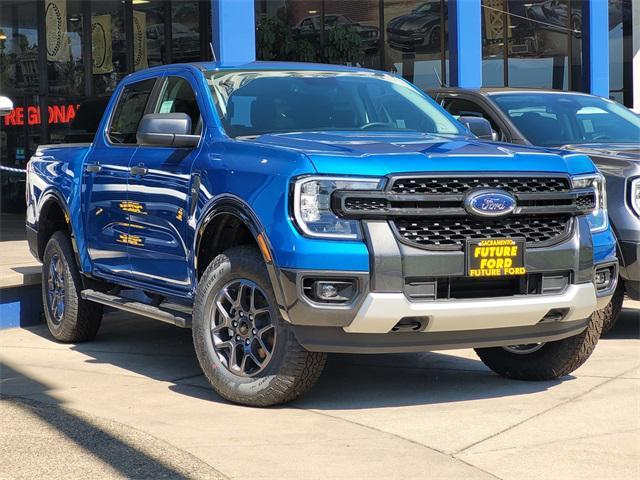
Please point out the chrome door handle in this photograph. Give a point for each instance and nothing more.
(93, 168)
(138, 170)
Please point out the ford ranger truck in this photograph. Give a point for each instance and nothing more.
(283, 211)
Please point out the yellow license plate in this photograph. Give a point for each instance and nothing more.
(495, 257)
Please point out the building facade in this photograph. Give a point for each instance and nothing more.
(56, 55)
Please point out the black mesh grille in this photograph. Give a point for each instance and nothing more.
(456, 185)
(366, 204)
(586, 202)
(452, 233)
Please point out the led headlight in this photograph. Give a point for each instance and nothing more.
(312, 205)
(598, 219)
(634, 199)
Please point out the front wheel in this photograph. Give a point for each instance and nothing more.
(247, 351)
(610, 313)
(543, 361)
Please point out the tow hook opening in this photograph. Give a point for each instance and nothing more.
(555, 315)
(410, 324)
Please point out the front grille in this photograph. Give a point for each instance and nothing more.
(457, 185)
(445, 288)
(452, 233)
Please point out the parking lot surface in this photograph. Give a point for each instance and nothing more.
(134, 404)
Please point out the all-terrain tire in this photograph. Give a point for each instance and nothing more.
(552, 360)
(291, 370)
(80, 319)
(610, 313)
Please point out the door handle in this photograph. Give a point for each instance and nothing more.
(138, 170)
(93, 168)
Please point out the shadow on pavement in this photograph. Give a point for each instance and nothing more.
(108, 447)
(165, 353)
(627, 326)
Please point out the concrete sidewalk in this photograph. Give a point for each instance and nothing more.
(133, 404)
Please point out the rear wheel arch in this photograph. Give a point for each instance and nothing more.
(53, 217)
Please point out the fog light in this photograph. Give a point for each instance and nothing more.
(327, 290)
(602, 278)
(330, 291)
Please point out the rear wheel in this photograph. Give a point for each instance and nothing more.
(543, 361)
(247, 351)
(68, 316)
(610, 313)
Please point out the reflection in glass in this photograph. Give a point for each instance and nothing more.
(416, 40)
(538, 43)
(109, 46)
(19, 80)
(185, 31)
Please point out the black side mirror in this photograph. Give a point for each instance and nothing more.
(479, 126)
(166, 130)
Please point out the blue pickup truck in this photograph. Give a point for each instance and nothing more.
(283, 211)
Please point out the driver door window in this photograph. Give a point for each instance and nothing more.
(178, 97)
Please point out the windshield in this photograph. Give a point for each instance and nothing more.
(253, 103)
(552, 119)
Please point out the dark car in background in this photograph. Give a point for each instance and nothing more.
(309, 29)
(419, 30)
(603, 129)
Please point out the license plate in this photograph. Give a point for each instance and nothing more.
(495, 257)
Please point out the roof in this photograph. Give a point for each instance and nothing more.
(496, 90)
(261, 65)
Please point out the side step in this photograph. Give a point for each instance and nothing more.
(179, 319)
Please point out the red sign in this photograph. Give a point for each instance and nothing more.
(31, 115)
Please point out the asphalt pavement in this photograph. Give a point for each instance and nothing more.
(133, 404)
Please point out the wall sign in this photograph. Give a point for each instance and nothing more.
(101, 40)
(58, 49)
(58, 114)
(140, 40)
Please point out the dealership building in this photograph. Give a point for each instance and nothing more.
(57, 55)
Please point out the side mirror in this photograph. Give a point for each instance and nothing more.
(6, 106)
(479, 126)
(166, 130)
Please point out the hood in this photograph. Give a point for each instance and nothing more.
(413, 21)
(378, 153)
(629, 151)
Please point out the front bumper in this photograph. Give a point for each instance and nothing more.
(630, 268)
(369, 322)
(380, 312)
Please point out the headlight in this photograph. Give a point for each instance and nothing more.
(598, 219)
(312, 205)
(635, 196)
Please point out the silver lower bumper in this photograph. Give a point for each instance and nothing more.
(380, 312)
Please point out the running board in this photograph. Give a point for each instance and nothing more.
(179, 319)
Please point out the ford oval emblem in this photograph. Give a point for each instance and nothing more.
(490, 203)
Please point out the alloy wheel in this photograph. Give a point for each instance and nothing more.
(56, 288)
(242, 328)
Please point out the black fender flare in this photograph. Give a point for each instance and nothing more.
(55, 197)
(227, 204)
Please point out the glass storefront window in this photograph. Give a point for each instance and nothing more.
(149, 34)
(538, 44)
(185, 28)
(109, 44)
(20, 131)
(494, 18)
(416, 40)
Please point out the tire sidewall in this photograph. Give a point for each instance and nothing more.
(224, 269)
(68, 320)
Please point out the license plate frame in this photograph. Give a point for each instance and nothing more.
(500, 258)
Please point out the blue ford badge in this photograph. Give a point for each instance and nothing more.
(490, 203)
